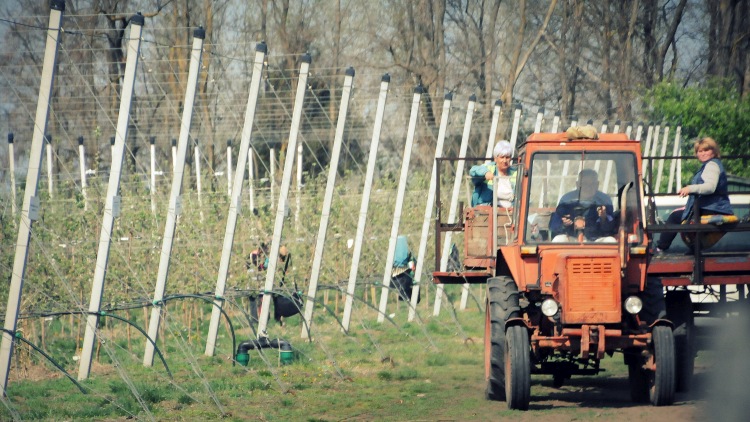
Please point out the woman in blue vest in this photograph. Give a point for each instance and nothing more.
(483, 177)
(708, 187)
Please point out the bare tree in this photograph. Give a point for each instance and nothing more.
(522, 51)
(729, 42)
(474, 46)
(418, 46)
(660, 22)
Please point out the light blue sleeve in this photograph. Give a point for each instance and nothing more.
(477, 173)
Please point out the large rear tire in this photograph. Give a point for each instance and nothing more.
(494, 370)
(502, 304)
(662, 379)
(517, 368)
(680, 312)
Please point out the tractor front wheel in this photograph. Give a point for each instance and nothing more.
(517, 368)
(662, 379)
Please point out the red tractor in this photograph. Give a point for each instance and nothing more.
(568, 272)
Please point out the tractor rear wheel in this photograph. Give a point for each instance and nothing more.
(517, 368)
(662, 379)
(494, 371)
(502, 304)
(680, 312)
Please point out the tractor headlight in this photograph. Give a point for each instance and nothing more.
(633, 304)
(549, 307)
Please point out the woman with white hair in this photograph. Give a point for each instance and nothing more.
(483, 177)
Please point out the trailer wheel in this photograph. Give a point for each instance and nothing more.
(517, 368)
(638, 381)
(558, 379)
(662, 379)
(680, 312)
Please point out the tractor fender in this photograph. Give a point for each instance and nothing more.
(508, 262)
(661, 321)
(517, 321)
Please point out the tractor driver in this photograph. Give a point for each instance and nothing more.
(585, 213)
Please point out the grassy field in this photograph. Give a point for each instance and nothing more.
(427, 370)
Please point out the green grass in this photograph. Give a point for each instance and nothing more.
(391, 373)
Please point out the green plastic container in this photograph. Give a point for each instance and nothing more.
(286, 355)
(243, 358)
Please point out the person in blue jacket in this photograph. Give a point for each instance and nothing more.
(586, 210)
(483, 178)
(709, 187)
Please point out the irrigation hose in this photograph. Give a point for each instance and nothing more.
(17, 335)
(211, 301)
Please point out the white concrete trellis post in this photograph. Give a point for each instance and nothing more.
(152, 186)
(286, 181)
(629, 129)
(490, 145)
(539, 119)
(538, 128)
(362, 222)
(173, 209)
(454, 199)
(235, 199)
(647, 147)
(298, 197)
(50, 169)
(638, 132)
(82, 169)
(229, 167)
(597, 163)
(30, 208)
(429, 208)
(556, 122)
(678, 176)
(608, 171)
(12, 170)
(652, 153)
(197, 161)
(514, 130)
(459, 176)
(272, 171)
(325, 212)
(251, 178)
(174, 154)
(497, 111)
(673, 162)
(566, 165)
(112, 200)
(401, 191)
(662, 153)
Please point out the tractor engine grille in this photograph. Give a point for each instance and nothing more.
(590, 289)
